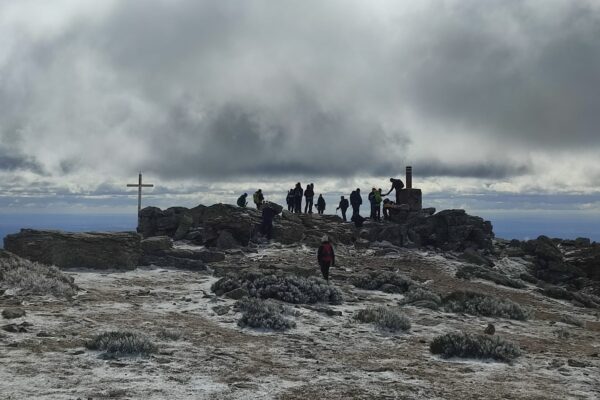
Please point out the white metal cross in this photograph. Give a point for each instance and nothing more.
(139, 185)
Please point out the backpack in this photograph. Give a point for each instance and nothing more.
(377, 197)
(326, 252)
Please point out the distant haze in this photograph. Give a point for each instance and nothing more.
(495, 104)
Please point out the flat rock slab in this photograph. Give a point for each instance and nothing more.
(96, 250)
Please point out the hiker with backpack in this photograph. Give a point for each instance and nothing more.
(325, 257)
(320, 204)
(355, 201)
(309, 193)
(258, 198)
(241, 201)
(343, 206)
(378, 198)
(372, 202)
(397, 185)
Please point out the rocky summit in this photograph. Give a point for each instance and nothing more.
(426, 306)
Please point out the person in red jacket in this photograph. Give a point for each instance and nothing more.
(326, 257)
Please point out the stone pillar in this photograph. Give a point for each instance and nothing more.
(409, 177)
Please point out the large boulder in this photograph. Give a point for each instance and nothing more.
(549, 263)
(97, 250)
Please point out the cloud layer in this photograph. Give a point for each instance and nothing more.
(501, 96)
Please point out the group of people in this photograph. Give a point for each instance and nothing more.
(325, 254)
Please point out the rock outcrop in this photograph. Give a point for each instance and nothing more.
(224, 226)
(97, 250)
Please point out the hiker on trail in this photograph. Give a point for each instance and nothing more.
(266, 228)
(298, 192)
(289, 199)
(241, 201)
(258, 198)
(372, 202)
(358, 220)
(397, 185)
(320, 204)
(355, 201)
(325, 257)
(309, 193)
(387, 204)
(343, 206)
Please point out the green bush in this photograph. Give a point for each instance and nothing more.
(265, 314)
(291, 289)
(422, 297)
(466, 345)
(389, 282)
(384, 318)
(118, 343)
(481, 272)
(31, 278)
(481, 304)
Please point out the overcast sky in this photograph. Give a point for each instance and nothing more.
(495, 104)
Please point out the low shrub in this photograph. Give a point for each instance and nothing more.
(481, 272)
(481, 304)
(118, 343)
(586, 300)
(32, 278)
(570, 320)
(422, 297)
(387, 281)
(265, 314)
(384, 318)
(562, 333)
(169, 334)
(466, 345)
(290, 288)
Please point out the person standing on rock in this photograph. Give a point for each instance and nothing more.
(325, 257)
(343, 206)
(378, 198)
(372, 202)
(320, 204)
(309, 193)
(290, 200)
(241, 201)
(258, 198)
(355, 201)
(298, 192)
(397, 185)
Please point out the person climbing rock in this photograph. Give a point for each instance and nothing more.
(397, 185)
(320, 204)
(325, 257)
(343, 206)
(309, 194)
(266, 228)
(241, 201)
(258, 198)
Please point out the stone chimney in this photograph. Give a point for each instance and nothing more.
(409, 177)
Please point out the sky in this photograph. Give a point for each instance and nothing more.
(495, 104)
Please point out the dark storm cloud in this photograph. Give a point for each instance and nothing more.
(472, 170)
(224, 90)
(10, 160)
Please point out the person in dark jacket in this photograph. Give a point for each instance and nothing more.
(298, 192)
(372, 201)
(309, 193)
(325, 257)
(355, 201)
(387, 204)
(343, 206)
(290, 200)
(241, 201)
(321, 204)
(258, 198)
(266, 228)
(397, 185)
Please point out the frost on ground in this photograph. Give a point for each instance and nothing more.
(200, 351)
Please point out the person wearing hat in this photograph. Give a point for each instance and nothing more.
(325, 257)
